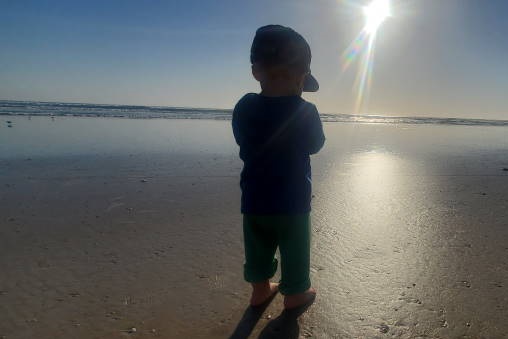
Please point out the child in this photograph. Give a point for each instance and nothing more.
(277, 131)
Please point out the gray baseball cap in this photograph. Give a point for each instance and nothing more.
(280, 45)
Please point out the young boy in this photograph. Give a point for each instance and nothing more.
(277, 131)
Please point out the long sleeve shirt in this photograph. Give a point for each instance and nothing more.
(276, 135)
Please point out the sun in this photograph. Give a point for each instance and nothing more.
(375, 13)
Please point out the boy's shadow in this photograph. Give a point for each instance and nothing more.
(285, 326)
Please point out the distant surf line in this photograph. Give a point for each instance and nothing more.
(41, 108)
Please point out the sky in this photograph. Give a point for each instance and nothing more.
(442, 58)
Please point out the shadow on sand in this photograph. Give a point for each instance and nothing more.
(285, 326)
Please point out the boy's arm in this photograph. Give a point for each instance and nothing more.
(315, 135)
(236, 125)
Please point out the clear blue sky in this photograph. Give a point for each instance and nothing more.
(432, 57)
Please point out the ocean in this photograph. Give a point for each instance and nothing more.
(39, 108)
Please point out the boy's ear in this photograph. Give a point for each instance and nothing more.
(256, 72)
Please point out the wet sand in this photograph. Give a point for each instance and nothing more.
(410, 238)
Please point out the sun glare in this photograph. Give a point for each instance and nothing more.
(375, 13)
(362, 49)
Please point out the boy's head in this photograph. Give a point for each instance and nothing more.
(280, 60)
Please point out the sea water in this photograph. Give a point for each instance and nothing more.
(29, 108)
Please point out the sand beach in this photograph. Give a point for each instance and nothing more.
(121, 228)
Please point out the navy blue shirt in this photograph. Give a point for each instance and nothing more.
(276, 135)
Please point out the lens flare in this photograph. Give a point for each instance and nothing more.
(362, 47)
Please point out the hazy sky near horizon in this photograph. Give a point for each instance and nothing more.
(432, 57)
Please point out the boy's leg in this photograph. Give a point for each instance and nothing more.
(260, 242)
(294, 245)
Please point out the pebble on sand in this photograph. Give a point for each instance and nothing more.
(466, 283)
(383, 328)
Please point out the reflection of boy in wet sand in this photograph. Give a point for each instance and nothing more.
(277, 131)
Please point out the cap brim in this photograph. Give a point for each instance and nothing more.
(310, 84)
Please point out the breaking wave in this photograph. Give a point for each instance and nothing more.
(35, 108)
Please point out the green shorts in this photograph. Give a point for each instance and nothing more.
(291, 233)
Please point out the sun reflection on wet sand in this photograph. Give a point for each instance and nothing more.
(390, 243)
(360, 214)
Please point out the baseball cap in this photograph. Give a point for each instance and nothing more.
(280, 45)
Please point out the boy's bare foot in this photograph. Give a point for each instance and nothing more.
(262, 291)
(296, 300)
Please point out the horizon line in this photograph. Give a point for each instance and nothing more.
(231, 110)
